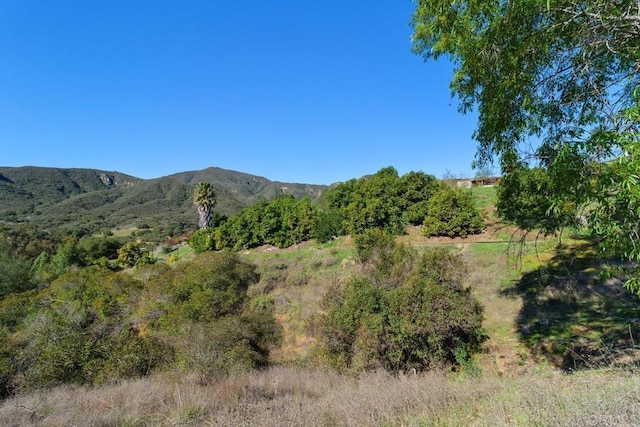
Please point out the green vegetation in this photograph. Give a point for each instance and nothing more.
(452, 212)
(563, 77)
(14, 273)
(514, 380)
(94, 326)
(282, 222)
(132, 255)
(408, 312)
(87, 320)
(86, 201)
(384, 201)
(482, 321)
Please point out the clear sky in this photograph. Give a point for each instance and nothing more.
(296, 91)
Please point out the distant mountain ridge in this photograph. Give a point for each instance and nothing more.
(54, 198)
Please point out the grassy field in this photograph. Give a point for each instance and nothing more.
(561, 351)
(288, 396)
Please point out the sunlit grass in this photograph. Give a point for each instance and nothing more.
(484, 196)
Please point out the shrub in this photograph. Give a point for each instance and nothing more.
(230, 344)
(202, 240)
(130, 355)
(452, 212)
(385, 262)
(14, 273)
(427, 320)
(92, 249)
(211, 286)
(132, 255)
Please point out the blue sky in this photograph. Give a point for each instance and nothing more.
(295, 91)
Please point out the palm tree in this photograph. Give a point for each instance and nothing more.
(205, 199)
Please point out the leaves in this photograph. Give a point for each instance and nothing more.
(406, 311)
(554, 87)
(452, 212)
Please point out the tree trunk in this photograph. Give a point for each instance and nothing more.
(206, 214)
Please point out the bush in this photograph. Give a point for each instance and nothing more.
(230, 344)
(131, 355)
(14, 273)
(213, 285)
(95, 326)
(203, 240)
(452, 212)
(132, 255)
(428, 320)
(385, 262)
(93, 249)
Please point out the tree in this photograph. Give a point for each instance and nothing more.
(525, 198)
(452, 212)
(371, 202)
(417, 188)
(558, 75)
(204, 197)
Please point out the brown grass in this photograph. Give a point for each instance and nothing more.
(283, 396)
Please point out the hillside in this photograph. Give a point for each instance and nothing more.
(92, 199)
(567, 370)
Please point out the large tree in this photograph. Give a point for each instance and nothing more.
(555, 86)
(204, 197)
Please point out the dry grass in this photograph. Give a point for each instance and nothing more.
(283, 396)
(277, 397)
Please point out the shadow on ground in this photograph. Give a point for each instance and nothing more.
(573, 317)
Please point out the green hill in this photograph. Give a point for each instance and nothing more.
(90, 199)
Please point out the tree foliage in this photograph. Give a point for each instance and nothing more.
(384, 200)
(132, 255)
(558, 76)
(525, 198)
(14, 273)
(452, 212)
(561, 70)
(282, 222)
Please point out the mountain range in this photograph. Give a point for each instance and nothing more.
(93, 200)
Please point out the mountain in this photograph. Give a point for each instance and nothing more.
(72, 199)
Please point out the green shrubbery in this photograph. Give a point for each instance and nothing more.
(67, 315)
(14, 273)
(383, 201)
(410, 311)
(93, 325)
(281, 222)
(452, 212)
(133, 255)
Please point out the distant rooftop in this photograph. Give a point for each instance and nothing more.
(486, 181)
